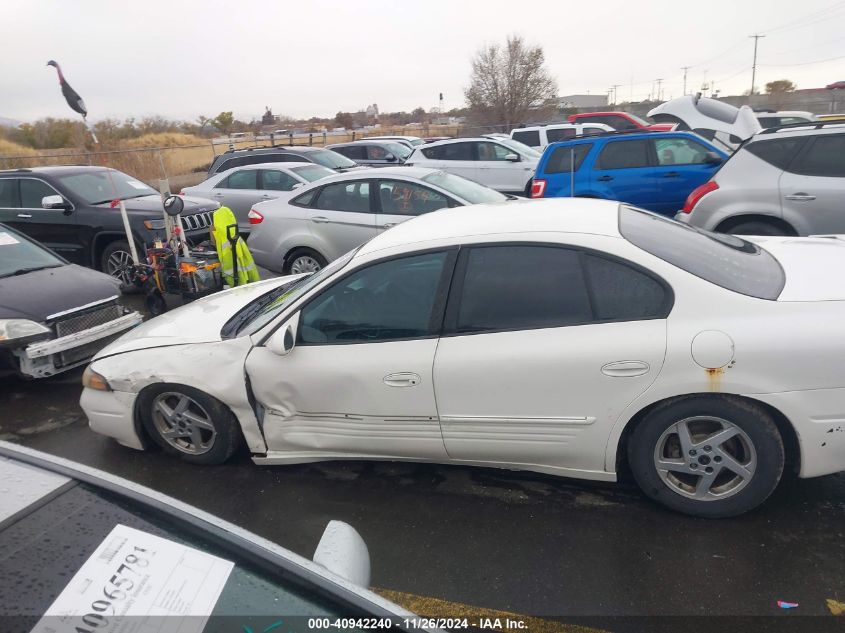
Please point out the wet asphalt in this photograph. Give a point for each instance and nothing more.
(519, 542)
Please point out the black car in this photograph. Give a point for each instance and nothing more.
(82, 550)
(374, 153)
(54, 315)
(280, 154)
(67, 208)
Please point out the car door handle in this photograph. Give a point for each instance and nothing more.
(604, 178)
(320, 219)
(387, 225)
(217, 195)
(671, 174)
(801, 197)
(264, 195)
(625, 368)
(24, 215)
(402, 379)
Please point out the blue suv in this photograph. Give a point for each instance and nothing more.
(651, 170)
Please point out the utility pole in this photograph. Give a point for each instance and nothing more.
(614, 87)
(659, 81)
(754, 63)
(685, 69)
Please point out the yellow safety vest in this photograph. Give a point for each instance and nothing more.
(247, 270)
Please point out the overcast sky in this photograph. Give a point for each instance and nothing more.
(183, 58)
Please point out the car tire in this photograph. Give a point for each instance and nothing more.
(198, 428)
(303, 260)
(703, 479)
(757, 227)
(116, 261)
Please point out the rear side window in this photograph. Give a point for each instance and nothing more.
(778, 152)
(624, 155)
(565, 160)
(560, 134)
(529, 137)
(522, 287)
(450, 151)
(623, 293)
(725, 260)
(8, 193)
(246, 179)
(355, 152)
(825, 157)
(305, 199)
(353, 197)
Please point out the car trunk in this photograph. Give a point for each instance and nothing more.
(812, 266)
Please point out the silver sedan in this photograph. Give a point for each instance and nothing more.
(241, 187)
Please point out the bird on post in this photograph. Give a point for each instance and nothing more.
(72, 97)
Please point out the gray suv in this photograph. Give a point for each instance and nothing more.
(787, 180)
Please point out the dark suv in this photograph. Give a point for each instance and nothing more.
(68, 209)
(279, 154)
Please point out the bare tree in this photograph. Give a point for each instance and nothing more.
(507, 81)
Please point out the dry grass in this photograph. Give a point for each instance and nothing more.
(156, 156)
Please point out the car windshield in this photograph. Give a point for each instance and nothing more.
(104, 185)
(725, 260)
(312, 172)
(522, 148)
(468, 190)
(400, 150)
(330, 159)
(260, 312)
(18, 255)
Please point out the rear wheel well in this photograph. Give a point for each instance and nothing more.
(727, 225)
(791, 445)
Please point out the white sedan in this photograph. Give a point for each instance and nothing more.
(565, 336)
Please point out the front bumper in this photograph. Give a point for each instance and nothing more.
(111, 413)
(39, 359)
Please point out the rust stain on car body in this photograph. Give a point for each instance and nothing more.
(714, 378)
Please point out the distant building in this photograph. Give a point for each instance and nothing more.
(372, 111)
(582, 101)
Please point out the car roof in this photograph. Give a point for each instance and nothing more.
(285, 165)
(800, 129)
(461, 140)
(53, 169)
(389, 137)
(381, 172)
(550, 215)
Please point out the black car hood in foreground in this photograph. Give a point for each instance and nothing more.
(40, 293)
(152, 203)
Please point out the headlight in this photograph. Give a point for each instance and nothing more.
(16, 331)
(153, 225)
(93, 380)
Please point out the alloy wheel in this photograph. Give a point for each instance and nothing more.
(705, 458)
(304, 264)
(119, 266)
(183, 423)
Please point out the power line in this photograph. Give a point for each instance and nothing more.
(817, 61)
(811, 16)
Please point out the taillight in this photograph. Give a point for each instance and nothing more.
(538, 188)
(255, 217)
(697, 194)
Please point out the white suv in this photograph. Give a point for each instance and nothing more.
(501, 164)
(541, 135)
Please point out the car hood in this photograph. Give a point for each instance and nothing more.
(152, 204)
(42, 293)
(196, 322)
(806, 262)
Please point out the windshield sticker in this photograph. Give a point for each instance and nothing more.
(7, 239)
(134, 573)
(136, 184)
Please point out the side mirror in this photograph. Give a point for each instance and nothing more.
(390, 158)
(342, 551)
(54, 202)
(514, 158)
(297, 185)
(283, 340)
(712, 158)
(173, 205)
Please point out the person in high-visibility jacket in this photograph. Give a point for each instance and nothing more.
(247, 270)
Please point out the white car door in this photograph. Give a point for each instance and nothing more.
(342, 217)
(358, 381)
(537, 359)
(499, 173)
